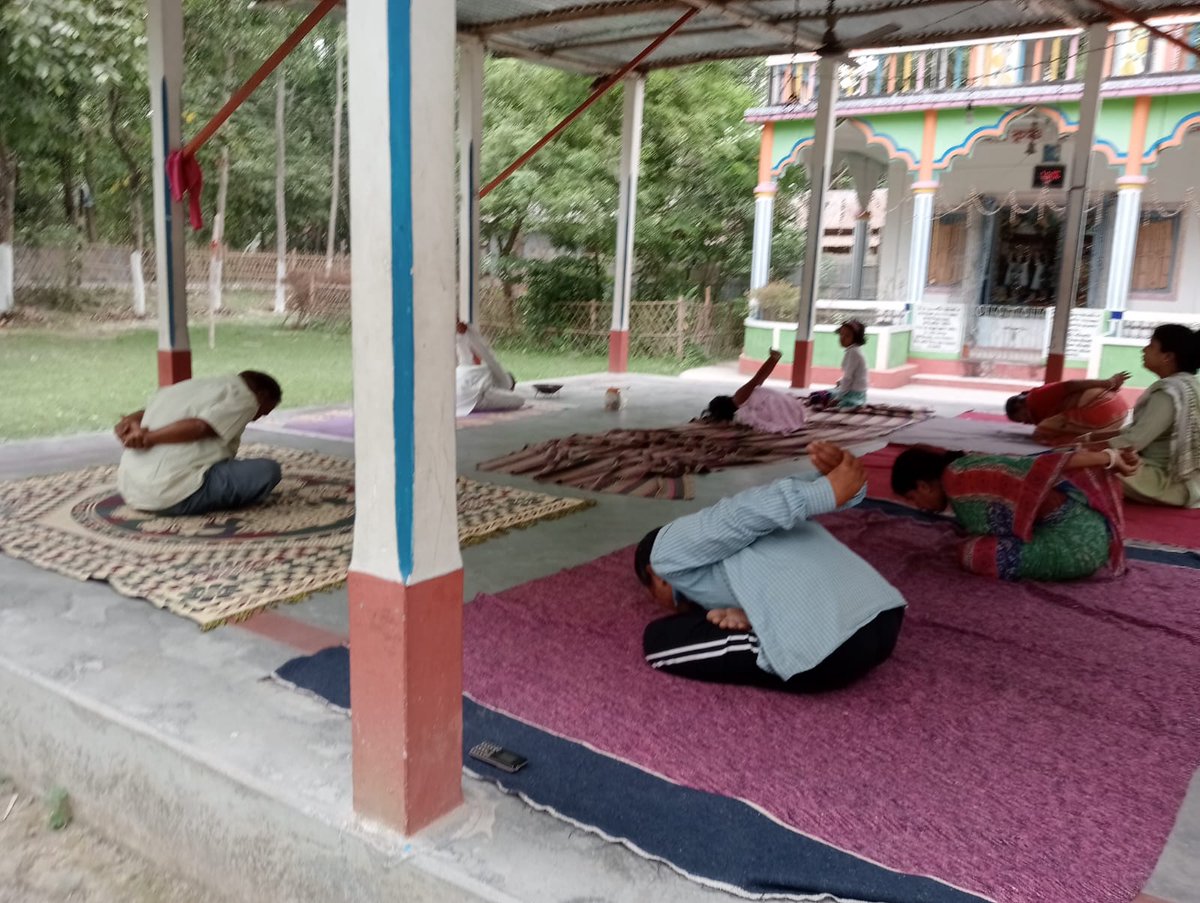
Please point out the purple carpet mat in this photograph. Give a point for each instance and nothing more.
(1025, 742)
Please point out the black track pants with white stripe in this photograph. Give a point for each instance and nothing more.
(689, 646)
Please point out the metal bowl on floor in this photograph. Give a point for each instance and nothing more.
(546, 388)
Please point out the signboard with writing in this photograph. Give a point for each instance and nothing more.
(1086, 323)
(938, 328)
(1050, 175)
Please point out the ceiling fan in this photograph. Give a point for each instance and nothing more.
(831, 45)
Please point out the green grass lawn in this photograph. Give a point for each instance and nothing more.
(64, 383)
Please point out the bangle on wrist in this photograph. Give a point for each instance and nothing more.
(1113, 457)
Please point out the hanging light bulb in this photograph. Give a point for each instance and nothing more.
(970, 114)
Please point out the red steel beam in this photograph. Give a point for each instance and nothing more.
(591, 99)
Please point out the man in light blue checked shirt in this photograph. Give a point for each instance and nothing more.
(763, 595)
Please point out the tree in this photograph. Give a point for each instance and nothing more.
(54, 56)
(698, 170)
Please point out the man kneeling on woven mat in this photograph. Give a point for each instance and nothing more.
(762, 595)
(180, 451)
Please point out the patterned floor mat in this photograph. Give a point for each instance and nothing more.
(660, 463)
(228, 565)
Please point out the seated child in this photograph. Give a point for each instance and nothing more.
(851, 389)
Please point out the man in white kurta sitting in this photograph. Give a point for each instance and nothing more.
(481, 383)
(181, 450)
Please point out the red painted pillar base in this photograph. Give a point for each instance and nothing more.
(174, 367)
(802, 364)
(618, 352)
(406, 698)
(1055, 364)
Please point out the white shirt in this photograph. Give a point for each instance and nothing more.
(159, 477)
(471, 379)
(854, 371)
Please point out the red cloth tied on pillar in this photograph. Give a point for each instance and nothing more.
(183, 172)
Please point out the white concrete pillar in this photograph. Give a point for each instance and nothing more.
(6, 277)
(138, 283)
(634, 95)
(867, 174)
(164, 35)
(858, 253)
(764, 227)
(1075, 220)
(471, 55)
(1126, 222)
(894, 237)
(920, 237)
(820, 161)
(405, 581)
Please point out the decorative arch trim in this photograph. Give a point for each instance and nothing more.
(1173, 138)
(894, 150)
(1062, 120)
(995, 130)
(792, 156)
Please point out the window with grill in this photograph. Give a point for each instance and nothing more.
(1154, 263)
(947, 250)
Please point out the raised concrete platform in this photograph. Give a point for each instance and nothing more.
(175, 742)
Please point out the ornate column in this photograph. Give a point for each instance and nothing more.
(1126, 222)
(764, 217)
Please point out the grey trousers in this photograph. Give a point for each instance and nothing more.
(229, 485)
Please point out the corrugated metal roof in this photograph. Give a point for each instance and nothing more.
(601, 36)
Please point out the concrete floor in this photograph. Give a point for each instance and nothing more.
(174, 741)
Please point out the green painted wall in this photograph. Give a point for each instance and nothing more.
(757, 344)
(1113, 124)
(827, 351)
(786, 135)
(1115, 358)
(956, 127)
(900, 348)
(1166, 113)
(933, 356)
(904, 132)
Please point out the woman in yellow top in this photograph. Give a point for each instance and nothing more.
(1166, 423)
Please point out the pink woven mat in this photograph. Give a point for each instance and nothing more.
(1025, 742)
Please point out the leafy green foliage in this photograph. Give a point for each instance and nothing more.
(76, 112)
(56, 57)
(695, 215)
(552, 283)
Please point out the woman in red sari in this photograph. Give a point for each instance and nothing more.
(1065, 411)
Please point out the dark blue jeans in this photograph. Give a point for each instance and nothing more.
(229, 485)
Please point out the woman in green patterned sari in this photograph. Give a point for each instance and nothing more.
(1056, 516)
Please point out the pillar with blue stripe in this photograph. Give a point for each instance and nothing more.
(405, 580)
(164, 37)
